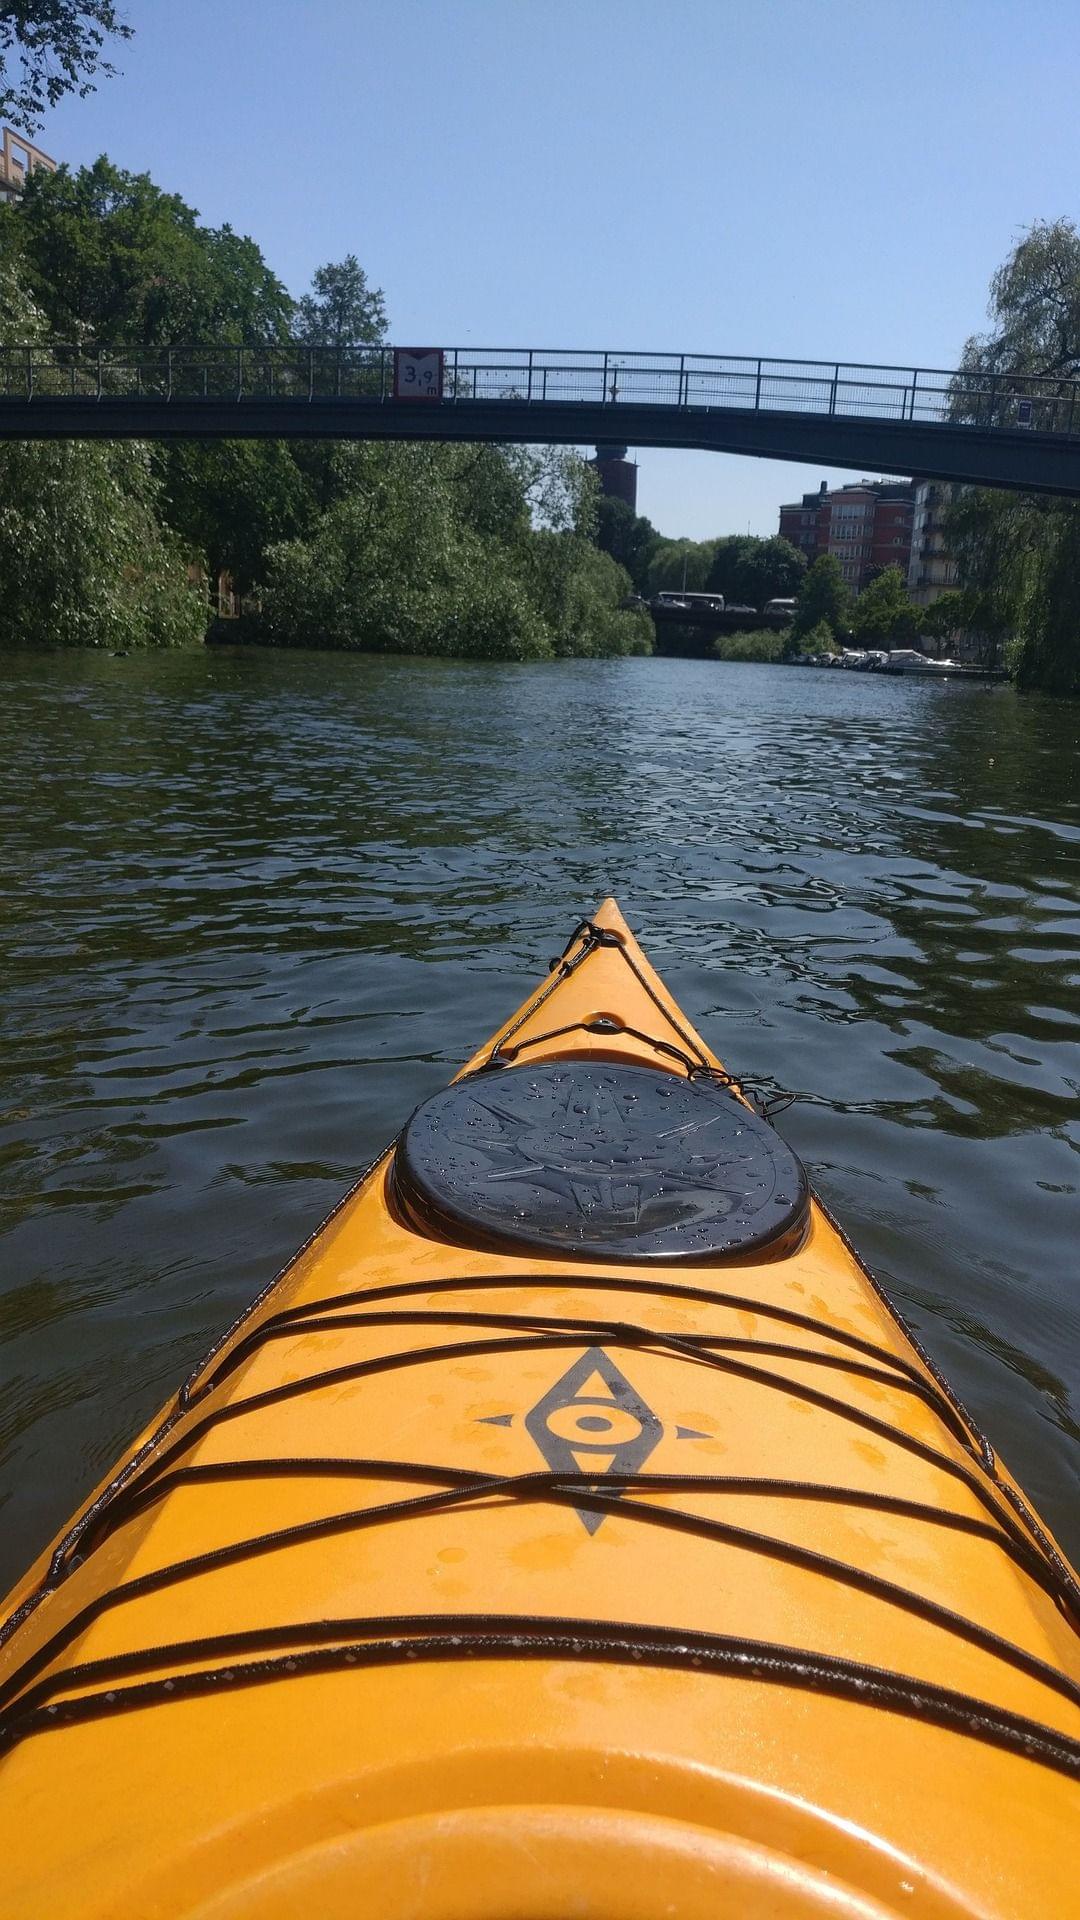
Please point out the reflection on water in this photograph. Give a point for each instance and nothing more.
(255, 907)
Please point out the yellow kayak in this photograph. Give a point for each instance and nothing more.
(572, 1529)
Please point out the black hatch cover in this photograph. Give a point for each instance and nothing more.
(593, 1158)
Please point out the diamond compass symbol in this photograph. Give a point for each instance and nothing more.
(593, 1420)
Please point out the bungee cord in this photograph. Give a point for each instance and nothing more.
(33, 1699)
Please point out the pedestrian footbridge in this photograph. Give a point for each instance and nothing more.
(997, 430)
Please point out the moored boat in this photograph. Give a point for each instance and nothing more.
(574, 1527)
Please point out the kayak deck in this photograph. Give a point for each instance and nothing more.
(688, 1574)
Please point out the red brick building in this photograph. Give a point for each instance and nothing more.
(617, 474)
(893, 519)
(866, 526)
(799, 522)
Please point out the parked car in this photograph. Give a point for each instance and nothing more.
(786, 607)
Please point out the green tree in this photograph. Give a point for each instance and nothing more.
(994, 538)
(883, 615)
(49, 48)
(109, 257)
(951, 612)
(491, 488)
(627, 536)
(433, 549)
(1049, 652)
(232, 499)
(561, 489)
(83, 559)
(823, 596)
(756, 644)
(750, 570)
(341, 310)
(679, 563)
(1016, 552)
(1034, 309)
(392, 567)
(579, 592)
(22, 322)
(729, 554)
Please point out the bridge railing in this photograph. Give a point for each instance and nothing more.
(613, 380)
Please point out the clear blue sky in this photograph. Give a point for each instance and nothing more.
(822, 180)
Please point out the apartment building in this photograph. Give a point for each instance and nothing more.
(931, 570)
(799, 522)
(866, 526)
(18, 159)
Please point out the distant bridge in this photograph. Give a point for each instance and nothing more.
(991, 430)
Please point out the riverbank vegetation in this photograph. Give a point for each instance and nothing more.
(440, 549)
(434, 549)
(1018, 555)
(763, 643)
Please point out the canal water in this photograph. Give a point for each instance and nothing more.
(255, 906)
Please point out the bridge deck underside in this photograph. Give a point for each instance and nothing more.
(995, 457)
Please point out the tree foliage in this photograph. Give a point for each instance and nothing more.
(1017, 553)
(84, 558)
(628, 537)
(341, 310)
(49, 48)
(1034, 308)
(578, 590)
(111, 258)
(951, 612)
(432, 549)
(391, 567)
(750, 571)
(745, 568)
(883, 615)
(760, 643)
(84, 561)
(679, 563)
(823, 596)
(453, 549)
(1049, 652)
(232, 499)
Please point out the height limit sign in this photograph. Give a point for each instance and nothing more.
(418, 373)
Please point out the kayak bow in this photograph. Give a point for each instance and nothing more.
(573, 1527)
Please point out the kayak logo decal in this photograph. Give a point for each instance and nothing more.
(593, 1420)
